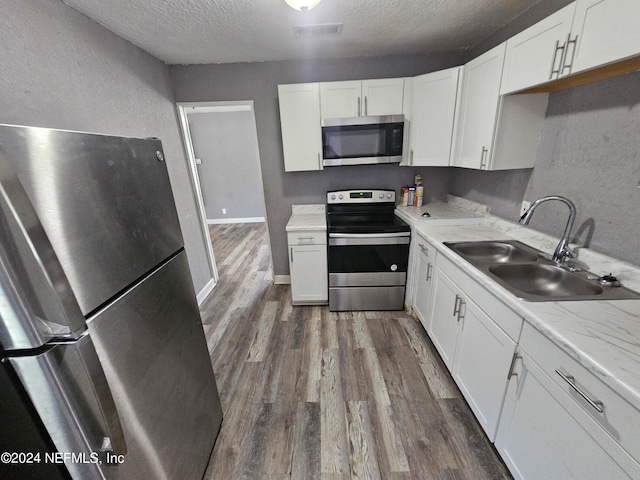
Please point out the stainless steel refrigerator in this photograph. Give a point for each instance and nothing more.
(104, 367)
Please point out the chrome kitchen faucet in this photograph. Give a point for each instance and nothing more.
(562, 251)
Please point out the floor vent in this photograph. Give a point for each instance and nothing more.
(317, 30)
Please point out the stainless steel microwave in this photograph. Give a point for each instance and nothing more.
(362, 140)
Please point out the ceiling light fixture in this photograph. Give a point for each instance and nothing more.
(302, 5)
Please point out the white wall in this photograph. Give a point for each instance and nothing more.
(62, 70)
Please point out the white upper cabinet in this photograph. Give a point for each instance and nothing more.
(478, 109)
(493, 131)
(382, 97)
(340, 99)
(583, 35)
(432, 114)
(604, 31)
(535, 55)
(362, 98)
(300, 124)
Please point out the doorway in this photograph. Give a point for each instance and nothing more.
(224, 162)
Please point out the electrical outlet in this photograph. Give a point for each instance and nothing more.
(224, 211)
(525, 206)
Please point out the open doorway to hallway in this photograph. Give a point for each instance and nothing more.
(222, 146)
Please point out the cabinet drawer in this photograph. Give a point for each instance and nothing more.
(618, 417)
(502, 315)
(425, 250)
(307, 237)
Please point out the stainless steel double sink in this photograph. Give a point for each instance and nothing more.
(528, 274)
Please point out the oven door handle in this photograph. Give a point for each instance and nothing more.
(367, 240)
(369, 235)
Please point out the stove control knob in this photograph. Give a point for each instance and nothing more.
(333, 196)
(388, 195)
(381, 195)
(394, 267)
(341, 197)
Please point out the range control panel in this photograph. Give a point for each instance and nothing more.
(361, 196)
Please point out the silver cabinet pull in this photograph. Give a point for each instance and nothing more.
(456, 306)
(569, 65)
(291, 253)
(319, 162)
(366, 109)
(307, 240)
(483, 157)
(411, 156)
(558, 70)
(424, 249)
(429, 270)
(514, 359)
(461, 315)
(597, 404)
(359, 112)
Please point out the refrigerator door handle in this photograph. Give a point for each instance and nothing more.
(114, 441)
(69, 390)
(36, 299)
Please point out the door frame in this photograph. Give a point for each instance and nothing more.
(223, 106)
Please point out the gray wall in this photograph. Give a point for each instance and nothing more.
(259, 81)
(590, 153)
(62, 70)
(229, 174)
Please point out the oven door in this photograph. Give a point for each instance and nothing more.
(367, 271)
(368, 259)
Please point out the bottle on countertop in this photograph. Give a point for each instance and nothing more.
(418, 198)
(405, 197)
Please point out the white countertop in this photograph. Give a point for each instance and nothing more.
(603, 336)
(454, 211)
(307, 218)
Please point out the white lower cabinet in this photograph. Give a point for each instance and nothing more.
(544, 434)
(443, 325)
(424, 280)
(474, 348)
(481, 365)
(308, 268)
(556, 410)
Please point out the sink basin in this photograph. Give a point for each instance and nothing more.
(529, 275)
(496, 252)
(544, 280)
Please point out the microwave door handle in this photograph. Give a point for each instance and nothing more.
(32, 281)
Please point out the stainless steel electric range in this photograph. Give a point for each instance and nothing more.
(368, 251)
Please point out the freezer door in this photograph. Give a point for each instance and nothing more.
(153, 351)
(105, 203)
(70, 393)
(36, 301)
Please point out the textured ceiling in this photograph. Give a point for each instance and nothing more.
(229, 31)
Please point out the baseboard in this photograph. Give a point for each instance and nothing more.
(282, 279)
(215, 221)
(206, 290)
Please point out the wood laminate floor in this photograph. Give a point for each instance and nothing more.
(313, 394)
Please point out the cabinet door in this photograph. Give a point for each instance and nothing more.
(478, 109)
(300, 124)
(606, 31)
(341, 99)
(481, 366)
(443, 324)
(423, 289)
(308, 267)
(382, 97)
(433, 111)
(535, 55)
(544, 434)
